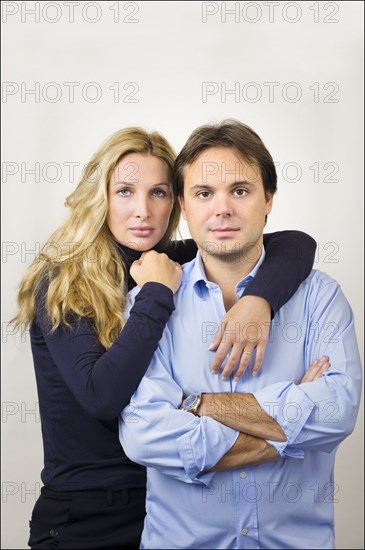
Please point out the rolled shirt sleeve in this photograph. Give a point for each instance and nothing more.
(154, 432)
(319, 415)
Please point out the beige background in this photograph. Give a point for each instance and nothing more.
(296, 72)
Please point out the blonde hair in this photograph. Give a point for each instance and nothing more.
(80, 261)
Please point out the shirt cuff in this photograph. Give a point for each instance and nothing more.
(290, 407)
(203, 447)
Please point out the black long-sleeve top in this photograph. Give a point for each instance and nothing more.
(82, 387)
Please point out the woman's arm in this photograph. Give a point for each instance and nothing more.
(288, 261)
(182, 251)
(102, 381)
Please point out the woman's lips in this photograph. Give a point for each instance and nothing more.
(141, 231)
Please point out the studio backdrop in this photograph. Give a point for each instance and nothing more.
(75, 72)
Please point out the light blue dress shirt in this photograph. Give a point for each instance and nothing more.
(280, 504)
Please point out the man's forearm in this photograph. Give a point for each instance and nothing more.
(241, 411)
(246, 451)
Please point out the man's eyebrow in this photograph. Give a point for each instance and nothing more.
(199, 186)
(242, 182)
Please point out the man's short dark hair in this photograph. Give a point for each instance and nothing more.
(233, 135)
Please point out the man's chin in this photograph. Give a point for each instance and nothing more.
(232, 252)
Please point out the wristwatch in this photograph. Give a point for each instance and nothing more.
(192, 402)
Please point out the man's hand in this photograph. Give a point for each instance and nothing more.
(244, 327)
(315, 371)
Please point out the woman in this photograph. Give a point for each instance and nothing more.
(88, 360)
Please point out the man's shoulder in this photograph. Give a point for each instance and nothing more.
(188, 270)
(319, 286)
(319, 278)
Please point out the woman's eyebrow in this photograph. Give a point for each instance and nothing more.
(130, 184)
(123, 183)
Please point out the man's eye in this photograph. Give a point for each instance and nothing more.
(240, 192)
(204, 194)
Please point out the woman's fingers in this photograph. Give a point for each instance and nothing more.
(244, 362)
(243, 328)
(155, 267)
(259, 357)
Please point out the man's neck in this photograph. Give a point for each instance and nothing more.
(226, 274)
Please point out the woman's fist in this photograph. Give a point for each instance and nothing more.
(158, 268)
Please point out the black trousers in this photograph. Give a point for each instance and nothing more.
(88, 519)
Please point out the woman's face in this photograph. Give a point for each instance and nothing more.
(140, 201)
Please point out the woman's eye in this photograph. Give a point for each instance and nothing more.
(124, 192)
(159, 193)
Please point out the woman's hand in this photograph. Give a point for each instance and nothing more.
(244, 327)
(158, 268)
(317, 368)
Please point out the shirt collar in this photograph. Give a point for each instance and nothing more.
(202, 285)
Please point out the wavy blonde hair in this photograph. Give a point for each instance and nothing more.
(80, 261)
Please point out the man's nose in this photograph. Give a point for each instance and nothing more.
(223, 206)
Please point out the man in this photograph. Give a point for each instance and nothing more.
(244, 463)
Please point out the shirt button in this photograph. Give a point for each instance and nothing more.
(243, 475)
(54, 533)
(244, 531)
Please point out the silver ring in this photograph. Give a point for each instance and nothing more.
(247, 352)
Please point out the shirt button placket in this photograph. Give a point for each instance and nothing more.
(247, 528)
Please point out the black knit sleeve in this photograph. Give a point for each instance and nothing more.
(288, 261)
(103, 381)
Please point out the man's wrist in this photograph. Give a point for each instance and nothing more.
(207, 405)
(200, 408)
(191, 403)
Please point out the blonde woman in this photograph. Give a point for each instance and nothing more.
(88, 361)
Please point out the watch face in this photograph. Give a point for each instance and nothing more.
(190, 400)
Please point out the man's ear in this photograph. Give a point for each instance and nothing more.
(182, 206)
(269, 200)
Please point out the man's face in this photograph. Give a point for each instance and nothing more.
(225, 205)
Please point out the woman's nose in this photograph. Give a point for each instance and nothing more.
(142, 208)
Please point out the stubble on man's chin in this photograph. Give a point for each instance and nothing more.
(233, 254)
